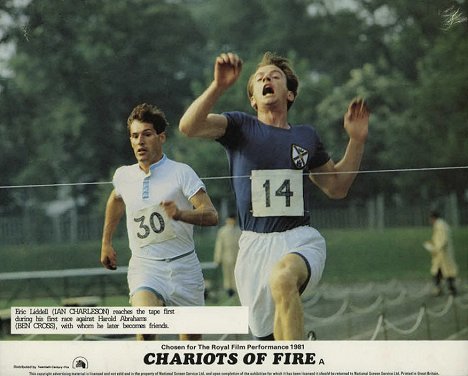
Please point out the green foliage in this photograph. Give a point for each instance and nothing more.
(78, 68)
(209, 159)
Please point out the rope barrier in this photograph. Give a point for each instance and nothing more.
(383, 324)
(377, 328)
(393, 285)
(340, 312)
(345, 293)
(416, 325)
(423, 292)
(349, 311)
(444, 310)
(381, 171)
(398, 300)
(423, 310)
(378, 302)
(53, 185)
(312, 300)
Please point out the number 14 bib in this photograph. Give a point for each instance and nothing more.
(277, 193)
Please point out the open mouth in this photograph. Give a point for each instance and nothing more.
(267, 89)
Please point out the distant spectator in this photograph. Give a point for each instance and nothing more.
(443, 259)
(226, 250)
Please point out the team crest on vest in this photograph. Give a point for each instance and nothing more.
(299, 156)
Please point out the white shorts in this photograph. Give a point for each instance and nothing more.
(258, 253)
(178, 282)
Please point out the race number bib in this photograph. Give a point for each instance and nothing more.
(151, 225)
(277, 193)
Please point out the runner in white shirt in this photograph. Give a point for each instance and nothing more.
(162, 200)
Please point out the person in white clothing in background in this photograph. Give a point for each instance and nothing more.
(226, 250)
(443, 265)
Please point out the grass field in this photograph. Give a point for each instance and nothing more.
(360, 256)
(352, 255)
(354, 258)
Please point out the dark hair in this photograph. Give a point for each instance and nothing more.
(147, 113)
(434, 214)
(270, 58)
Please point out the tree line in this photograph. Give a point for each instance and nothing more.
(71, 71)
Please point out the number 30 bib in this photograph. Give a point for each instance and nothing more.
(277, 193)
(151, 225)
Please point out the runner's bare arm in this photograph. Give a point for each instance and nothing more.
(202, 214)
(115, 209)
(197, 121)
(335, 180)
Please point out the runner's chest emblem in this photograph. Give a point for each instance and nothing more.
(299, 156)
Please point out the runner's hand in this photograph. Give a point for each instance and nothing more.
(228, 67)
(356, 120)
(108, 257)
(171, 209)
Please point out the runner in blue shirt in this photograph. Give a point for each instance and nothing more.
(281, 258)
